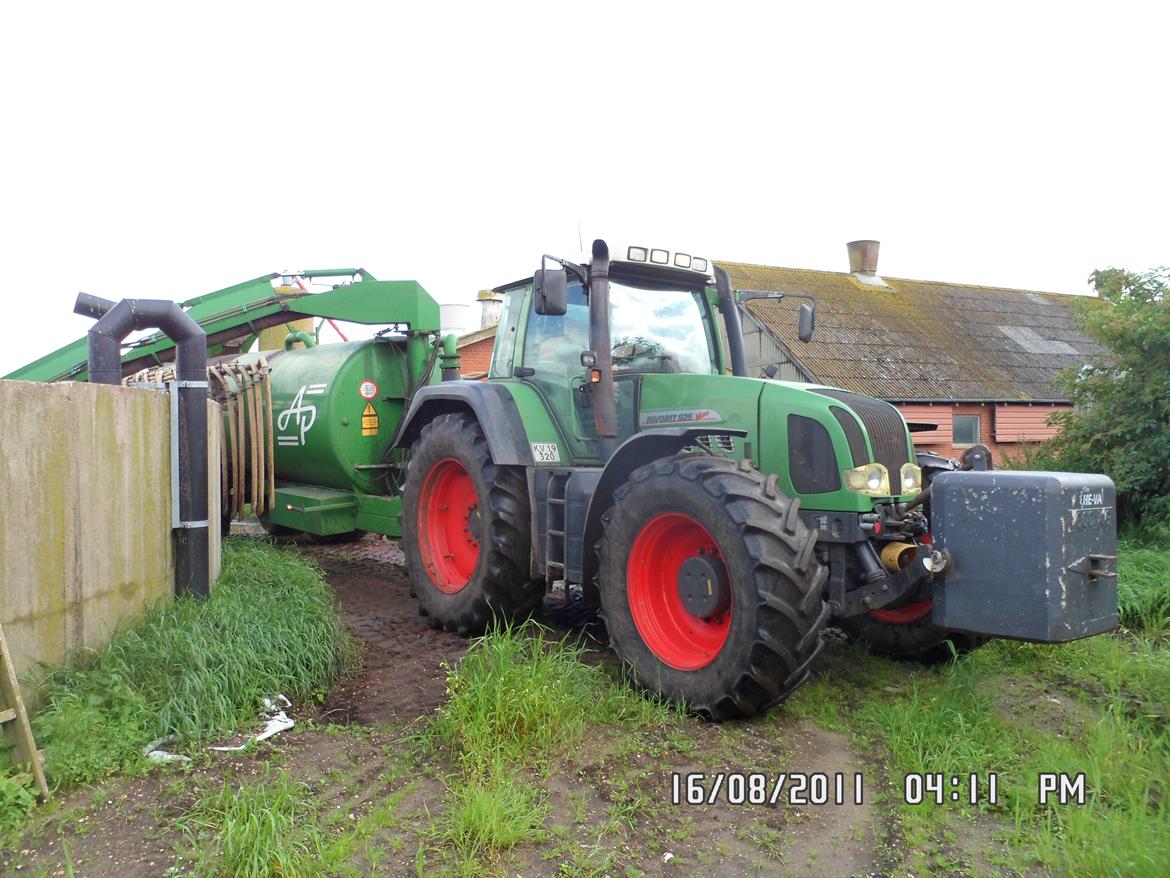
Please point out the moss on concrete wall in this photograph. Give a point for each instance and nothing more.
(85, 521)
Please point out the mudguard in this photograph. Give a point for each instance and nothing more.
(512, 415)
(638, 450)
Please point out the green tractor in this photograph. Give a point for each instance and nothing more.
(720, 521)
(619, 455)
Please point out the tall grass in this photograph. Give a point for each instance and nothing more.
(1143, 585)
(258, 831)
(192, 669)
(518, 699)
(519, 695)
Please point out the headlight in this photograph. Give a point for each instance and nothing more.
(910, 479)
(872, 478)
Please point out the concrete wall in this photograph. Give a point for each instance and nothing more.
(85, 520)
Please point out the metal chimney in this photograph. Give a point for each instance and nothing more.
(490, 303)
(863, 257)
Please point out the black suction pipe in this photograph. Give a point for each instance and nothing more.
(731, 320)
(115, 322)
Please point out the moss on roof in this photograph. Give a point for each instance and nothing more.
(923, 339)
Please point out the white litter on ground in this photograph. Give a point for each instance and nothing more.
(154, 752)
(278, 721)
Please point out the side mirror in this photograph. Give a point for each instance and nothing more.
(808, 322)
(551, 288)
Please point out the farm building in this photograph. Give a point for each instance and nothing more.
(969, 363)
(475, 348)
(979, 363)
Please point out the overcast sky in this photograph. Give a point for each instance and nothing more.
(149, 152)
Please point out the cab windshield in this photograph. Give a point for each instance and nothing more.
(650, 331)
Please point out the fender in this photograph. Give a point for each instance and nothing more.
(639, 449)
(493, 406)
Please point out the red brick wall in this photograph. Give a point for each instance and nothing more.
(476, 357)
(1010, 423)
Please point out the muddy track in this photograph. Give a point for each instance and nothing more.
(401, 676)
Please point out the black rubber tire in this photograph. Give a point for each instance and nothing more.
(777, 585)
(349, 536)
(920, 640)
(500, 587)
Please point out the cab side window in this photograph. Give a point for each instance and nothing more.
(557, 342)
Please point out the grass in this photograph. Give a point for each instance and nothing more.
(1143, 584)
(257, 831)
(191, 669)
(521, 695)
(523, 702)
(517, 700)
(17, 800)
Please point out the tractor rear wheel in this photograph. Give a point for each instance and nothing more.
(710, 589)
(907, 632)
(466, 530)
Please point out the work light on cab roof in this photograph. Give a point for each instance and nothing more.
(658, 256)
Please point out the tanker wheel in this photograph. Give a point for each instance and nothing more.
(906, 632)
(466, 530)
(710, 589)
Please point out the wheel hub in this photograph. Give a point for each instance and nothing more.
(474, 524)
(703, 586)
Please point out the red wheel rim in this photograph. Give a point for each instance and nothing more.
(676, 636)
(449, 525)
(904, 615)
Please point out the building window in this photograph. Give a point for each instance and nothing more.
(965, 429)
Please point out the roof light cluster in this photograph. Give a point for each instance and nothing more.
(663, 257)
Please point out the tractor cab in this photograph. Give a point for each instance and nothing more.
(660, 320)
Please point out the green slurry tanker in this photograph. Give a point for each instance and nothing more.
(618, 454)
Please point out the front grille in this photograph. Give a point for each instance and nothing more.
(887, 431)
(857, 448)
(812, 464)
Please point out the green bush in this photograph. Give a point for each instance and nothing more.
(16, 801)
(1120, 422)
(195, 668)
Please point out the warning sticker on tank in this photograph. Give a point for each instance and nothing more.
(369, 420)
(368, 389)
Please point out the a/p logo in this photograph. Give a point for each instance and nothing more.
(300, 415)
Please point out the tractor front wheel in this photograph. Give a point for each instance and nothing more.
(710, 589)
(907, 632)
(466, 529)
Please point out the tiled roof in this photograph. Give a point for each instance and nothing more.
(922, 339)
